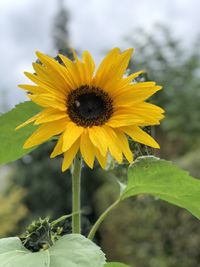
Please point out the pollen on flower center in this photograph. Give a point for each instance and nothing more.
(88, 106)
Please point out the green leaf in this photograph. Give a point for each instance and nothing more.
(116, 264)
(13, 254)
(70, 250)
(11, 140)
(162, 179)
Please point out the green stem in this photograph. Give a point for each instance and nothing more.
(64, 217)
(101, 218)
(76, 194)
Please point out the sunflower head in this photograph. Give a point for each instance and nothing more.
(90, 110)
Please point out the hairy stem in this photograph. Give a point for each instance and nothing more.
(76, 194)
(101, 218)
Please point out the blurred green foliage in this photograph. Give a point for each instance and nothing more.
(177, 69)
(46, 185)
(12, 211)
(190, 161)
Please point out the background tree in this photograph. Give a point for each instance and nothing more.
(177, 70)
(60, 31)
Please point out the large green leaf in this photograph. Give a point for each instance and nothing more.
(162, 179)
(116, 264)
(12, 253)
(70, 250)
(11, 140)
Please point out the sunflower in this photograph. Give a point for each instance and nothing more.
(90, 111)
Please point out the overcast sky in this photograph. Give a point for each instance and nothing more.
(95, 25)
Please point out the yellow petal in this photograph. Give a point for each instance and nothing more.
(85, 69)
(87, 149)
(67, 62)
(74, 54)
(47, 101)
(123, 142)
(150, 113)
(123, 62)
(71, 134)
(143, 84)
(98, 139)
(54, 80)
(51, 86)
(69, 155)
(117, 70)
(121, 86)
(104, 68)
(132, 76)
(118, 120)
(50, 97)
(58, 148)
(45, 132)
(89, 62)
(55, 68)
(42, 89)
(150, 107)
(34, 78)
(113, 143)
(32, 88)
(73, 73)
(134, 95)
(101, 159)
(107, 76)
(80, 70)
(140, 136)
(28, 121)
(139, 114)
(50, 114)
(40, 70)
(107, 62)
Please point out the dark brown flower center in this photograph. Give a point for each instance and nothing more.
(88, 106)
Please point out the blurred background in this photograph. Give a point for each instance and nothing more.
(142, 232)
